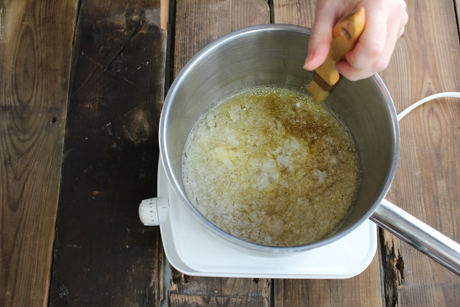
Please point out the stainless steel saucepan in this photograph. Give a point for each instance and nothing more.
(274, 54)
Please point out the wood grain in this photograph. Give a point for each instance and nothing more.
(457, 9)
(427, 183)
(103, 254)
(362, 290)
(198, 23)
(35, 55)
(205, 291)
(298, 12)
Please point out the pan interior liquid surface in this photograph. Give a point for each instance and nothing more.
(271, 167)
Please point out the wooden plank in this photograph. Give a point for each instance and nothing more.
(206, 291)
(103, 255)
(35, 55)
(427, 183)
(299, 12)
(198, 23)
(362, 290)
(457, 10)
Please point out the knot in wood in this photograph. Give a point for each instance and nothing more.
(134, 16)
(138, 129)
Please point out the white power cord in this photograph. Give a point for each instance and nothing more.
(429, 98)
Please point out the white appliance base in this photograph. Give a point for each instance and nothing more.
(193, 250)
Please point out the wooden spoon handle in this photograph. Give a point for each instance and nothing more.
(345, 34)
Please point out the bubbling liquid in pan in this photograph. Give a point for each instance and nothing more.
(270, 166)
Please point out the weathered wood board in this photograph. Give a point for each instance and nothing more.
(198, 23)
(348, 292)
(427, 182)
(35, 54)
(425, 62)
(457, 9)
(361, 290)
(108, 117)
(208, 291)
(103, 255)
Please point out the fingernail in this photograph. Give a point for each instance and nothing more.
(308, 59)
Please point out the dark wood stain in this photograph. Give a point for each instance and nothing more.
(103, 255)
(393, 272)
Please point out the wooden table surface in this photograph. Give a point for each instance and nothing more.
(81, 89)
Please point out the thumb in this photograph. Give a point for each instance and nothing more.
(320, 39)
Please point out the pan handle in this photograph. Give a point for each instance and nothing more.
(418, 234)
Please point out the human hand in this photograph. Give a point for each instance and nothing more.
(385, 21)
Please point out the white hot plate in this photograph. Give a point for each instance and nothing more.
(193, 250)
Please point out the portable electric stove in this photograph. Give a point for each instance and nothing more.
(195, 251)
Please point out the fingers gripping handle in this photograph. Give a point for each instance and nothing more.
(345, 35)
